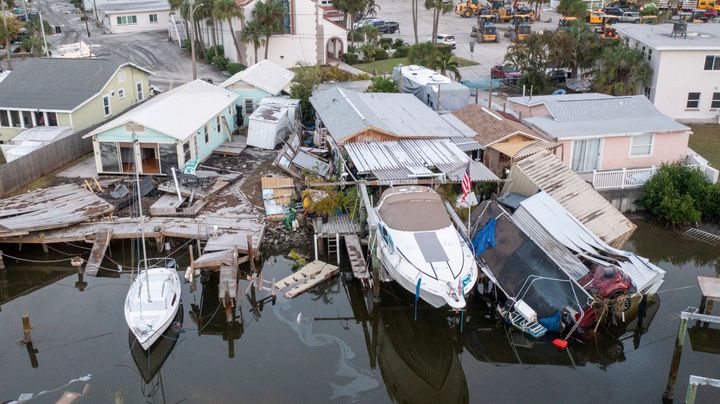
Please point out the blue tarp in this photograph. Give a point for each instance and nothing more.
(485, 237)
(552, 322)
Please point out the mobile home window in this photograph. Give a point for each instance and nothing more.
(109, 157)
(249, 106)
(206, 134)
(715, 104)
(127, 19)
(15, 118)
(27, 119)
(52, 119)
(693, 100)
(186, 151)
(4, 120)
(153, 18)
(217, 124)
(712, 62)
(641, 145)
(40, 118)
(168, 156)
(139, 88)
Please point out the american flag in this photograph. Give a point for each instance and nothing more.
(466, 183)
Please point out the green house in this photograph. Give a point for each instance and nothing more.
(73, 93)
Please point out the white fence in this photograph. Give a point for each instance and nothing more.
(637, 177)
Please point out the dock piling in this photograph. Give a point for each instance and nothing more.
(2, 263)
(669, 393)
(27, 339)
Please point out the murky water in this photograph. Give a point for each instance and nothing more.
(326, 347)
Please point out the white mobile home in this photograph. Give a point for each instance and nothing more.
(272, 122)
(129, 16)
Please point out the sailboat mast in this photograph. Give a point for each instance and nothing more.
(136, 152)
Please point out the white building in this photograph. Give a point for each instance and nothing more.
(686, 70)
(134, 16)
(309, 36)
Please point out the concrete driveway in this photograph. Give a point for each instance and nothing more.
(486, 55)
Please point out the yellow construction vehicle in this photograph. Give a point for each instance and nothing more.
(486, 30)
(595, 17)
(567, 23)
(521, 28)
(468, 8)
(607, 31)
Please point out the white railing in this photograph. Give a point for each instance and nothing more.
(637, 177)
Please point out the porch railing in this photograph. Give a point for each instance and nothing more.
(637, 177)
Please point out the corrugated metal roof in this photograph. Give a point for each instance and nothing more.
(346, 113)
(466, 144)
(549, 174)
(405, 159)
(265, 75)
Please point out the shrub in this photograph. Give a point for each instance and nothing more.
(386, 43)
(356, 36)
(233, 68)
(679, 195)
(401, 52)
(351, 58)
(352, 49)
(398, 43)
(221, 62)
(383, 85)
(381, 54)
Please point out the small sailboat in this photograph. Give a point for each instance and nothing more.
(154, 295)
(421, 249)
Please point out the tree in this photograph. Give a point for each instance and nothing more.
(414, 7)
(383, 85)
(227, 10)
(575, 49)
(8, 29)
(438, 7)
(270, 15)
(350, 9)
(253, 33)
(573, 8)
(421, 54)
(533, 58)
(369, 49)
(306, 78)
(445, 62)
(621, 70)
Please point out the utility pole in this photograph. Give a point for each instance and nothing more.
(192, 38)
(97, 18)
(27, 19)
(42, 28)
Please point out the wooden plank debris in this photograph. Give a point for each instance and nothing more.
(307, 278)
(166, 205)
(102, 241)
(357, 259)
(217, 259)
(50, 208)
(232, 147)
(227, 285)
(220, 183)
(703, 236)
(277, 193)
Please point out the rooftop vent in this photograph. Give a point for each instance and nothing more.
(679, 29)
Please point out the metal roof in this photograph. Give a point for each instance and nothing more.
(265, 75)
(601, 116)
(118, 7)
(700, 37)
(42, 134)
(411, 159)
(551, 175)
(56, 84)
(346, 113)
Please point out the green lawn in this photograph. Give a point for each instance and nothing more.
(705, 140)
(386, 66)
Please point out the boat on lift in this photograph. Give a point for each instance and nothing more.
(421, 249)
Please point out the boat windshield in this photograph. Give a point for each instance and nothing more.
(414, 211)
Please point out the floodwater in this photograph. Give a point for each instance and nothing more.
(325, 346)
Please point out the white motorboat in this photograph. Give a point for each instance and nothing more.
(153, 300)
(418, 243)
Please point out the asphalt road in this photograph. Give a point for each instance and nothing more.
(151, 50)
(487, 54)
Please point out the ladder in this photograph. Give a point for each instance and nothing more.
(333, 247)
(534, 329)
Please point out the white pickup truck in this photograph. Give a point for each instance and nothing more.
(629, 16)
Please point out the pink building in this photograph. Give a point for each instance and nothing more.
(600, 132)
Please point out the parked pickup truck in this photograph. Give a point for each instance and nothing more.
(389, 27)
(630, 16)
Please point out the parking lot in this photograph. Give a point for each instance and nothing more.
(487, 54)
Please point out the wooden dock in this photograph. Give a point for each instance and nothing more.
(232, 147)
(306, 278)
(50, 208)
(169, 205)
(357, 259)
(336, 225)
(220, 183)
(102, 241)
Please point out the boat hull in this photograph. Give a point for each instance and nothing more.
(148, 319)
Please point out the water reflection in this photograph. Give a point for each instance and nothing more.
(208, 315)
(23, 279)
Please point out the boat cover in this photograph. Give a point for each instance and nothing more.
(558, 222)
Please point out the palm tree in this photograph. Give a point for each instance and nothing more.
(227, 10)
(532, 57)
(369, 49)
(438, 7)
(253, 34)
(270, 15)
(621, 70)
(445, 62)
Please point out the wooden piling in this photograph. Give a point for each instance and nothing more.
(251, 252)
(669, 393)
(2, 263)
(26, 329)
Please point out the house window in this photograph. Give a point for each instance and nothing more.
(168, 157)
(139, 88)
(649, 54)
(249, 106)
(641, 145)
(121, 76)
(153, 18)
(186, 151)
(106, 105)
(206, 134)
(27, 119)
(586, 155)
(715, 104)
(217, 124)
(693, 101)
(712, 62)
(4, 119)
(15, 119)
(121, 93)
(109, 157)
(52, 119)
(287, 29)
(126, 19)
(40, 119)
